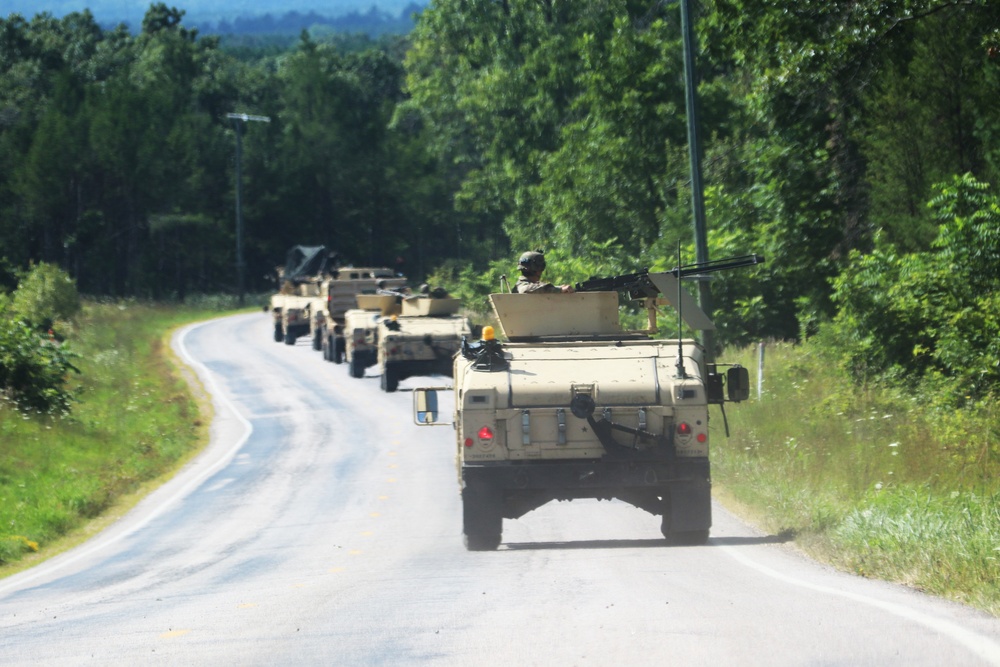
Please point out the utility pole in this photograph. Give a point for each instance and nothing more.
(694, 158)
(239, 123)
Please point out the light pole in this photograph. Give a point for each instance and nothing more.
(239, 119)
(694, 158)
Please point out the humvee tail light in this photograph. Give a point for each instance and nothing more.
(488, 333)
(485, 433)
(468, 442)
(701, 437)
(683, 429)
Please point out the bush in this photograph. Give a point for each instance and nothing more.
(33, 368)
(933, 312)
(45, 294)
(33, 364)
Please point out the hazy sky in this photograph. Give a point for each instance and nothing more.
(113, 11)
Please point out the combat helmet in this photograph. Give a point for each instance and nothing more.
(532, 261)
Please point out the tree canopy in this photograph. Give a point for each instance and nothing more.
(502, 125)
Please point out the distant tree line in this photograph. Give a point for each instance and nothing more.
(117, 159)
(499, 126)
(373, 23)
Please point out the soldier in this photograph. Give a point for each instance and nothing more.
(531, 265)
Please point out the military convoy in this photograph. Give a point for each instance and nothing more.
(568, 406)
(366, 316)
(571, 406)
(314, 296)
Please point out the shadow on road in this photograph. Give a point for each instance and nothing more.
(586, 544)
(780, 538)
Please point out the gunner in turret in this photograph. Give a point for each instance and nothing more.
(531, 265)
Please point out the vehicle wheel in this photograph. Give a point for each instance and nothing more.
(279, 335)
(318, 340)
(338, 350)
(482, 518)
(390, 381)
(289, 339)
(357, 370)
(325, 348)
(682, 538)
(689, 538)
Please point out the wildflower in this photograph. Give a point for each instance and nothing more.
(878, 486)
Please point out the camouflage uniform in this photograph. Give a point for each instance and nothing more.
(525, 286)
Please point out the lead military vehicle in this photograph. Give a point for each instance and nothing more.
(571, 406)
(298, 305)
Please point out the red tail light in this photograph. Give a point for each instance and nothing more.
(485, 433)
(683, 429)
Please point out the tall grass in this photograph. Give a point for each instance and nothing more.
(884, 482)
(134, 418)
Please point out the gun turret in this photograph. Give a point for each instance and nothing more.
(640, 286)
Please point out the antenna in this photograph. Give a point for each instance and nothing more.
(681, 374)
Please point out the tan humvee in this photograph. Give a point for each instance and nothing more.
(422, 340)
(360, 330)
(571, 406)
(295, 309)
(339, 290)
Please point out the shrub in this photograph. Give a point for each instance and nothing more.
(931, 312)
(33, 368)
(45, 294)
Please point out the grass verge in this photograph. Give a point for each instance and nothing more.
(135, 422)
(876, 481)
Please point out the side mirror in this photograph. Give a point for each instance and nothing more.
(738, 383)
(425, 406)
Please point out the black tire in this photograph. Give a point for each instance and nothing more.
(279, 335)
(682, 538)
(357, 369)
(318, 339)
(338, 349)
(289, 338)
(689, 538)
(325, 349)
(482, 518)
(390, 381)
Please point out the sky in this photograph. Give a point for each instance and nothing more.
(132, 11)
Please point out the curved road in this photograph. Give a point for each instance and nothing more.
(322, 527)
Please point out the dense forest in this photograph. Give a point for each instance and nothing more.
(855, 145)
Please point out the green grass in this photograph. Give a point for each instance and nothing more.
(134, 419)
(882, 482)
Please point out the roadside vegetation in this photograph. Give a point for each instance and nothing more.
(886, 482)
(123, 415)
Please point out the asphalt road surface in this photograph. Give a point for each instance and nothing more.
(321, 527)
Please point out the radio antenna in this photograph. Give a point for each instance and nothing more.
(681, 374)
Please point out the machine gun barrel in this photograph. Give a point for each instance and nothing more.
(638, 285)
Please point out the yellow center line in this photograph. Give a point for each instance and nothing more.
(174, 633)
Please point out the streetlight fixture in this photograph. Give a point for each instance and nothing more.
(239, 121)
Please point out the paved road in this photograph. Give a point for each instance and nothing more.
(322, 528)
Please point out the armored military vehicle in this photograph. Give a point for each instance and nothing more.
(422, 340)
(570, 406)
(340, 290)
(299, 305)
(360, 330)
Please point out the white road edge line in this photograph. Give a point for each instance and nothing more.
(44, 569)
(982, 646)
